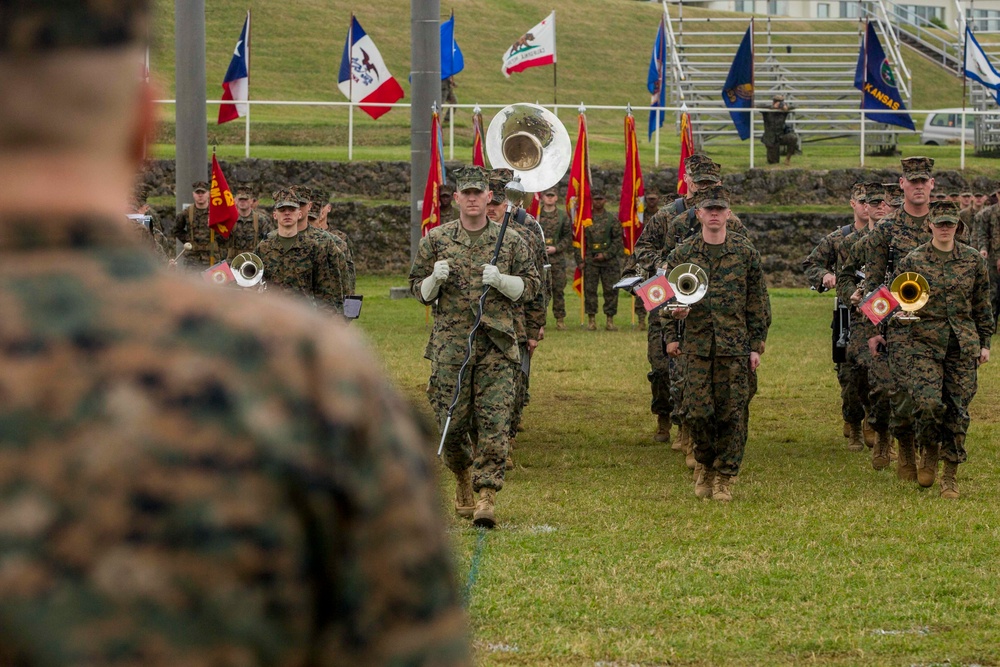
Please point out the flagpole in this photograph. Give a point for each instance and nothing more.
(753, 91)
(350, 90)
(247, 47)
(584, 178)
(965, 56)
(864, 80)
(555, 64)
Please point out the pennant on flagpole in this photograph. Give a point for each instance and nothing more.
(363, 76)
(656, 79)
(631, 205)
(236, 84)
(578, 197)
(535, 48)
(222, 211)
(430, 214)
(737, 92)
(874, 77)
(978, 67)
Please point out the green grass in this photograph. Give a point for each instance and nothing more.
(292, 59)
(605, 557)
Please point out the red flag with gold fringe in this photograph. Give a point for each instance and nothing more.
(631, 203)
(478, 159)
(578, 199)
(222, 211)
(687, 150)
(430, 213)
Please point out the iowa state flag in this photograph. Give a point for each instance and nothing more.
(222, 211)
(879, 305)
(363, 77)
(873, 76)
(236, 85)
(687, 150)
(430, 213)
(631, 204)
(737, 91)
(578, 198)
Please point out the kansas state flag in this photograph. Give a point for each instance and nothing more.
(737, 92)
(877, 83)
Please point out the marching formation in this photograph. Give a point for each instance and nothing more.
(915, 315)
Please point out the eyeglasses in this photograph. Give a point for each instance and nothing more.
(945, 223)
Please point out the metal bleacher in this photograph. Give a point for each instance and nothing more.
(811, 62)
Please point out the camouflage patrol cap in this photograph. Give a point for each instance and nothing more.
(301, 193)
(917, 167)
(894, 194)
(778, 98)
(715, 196)
(31, 26)
(447, 188)
(943, 210)
(701, 169)
(858, 191)
(505, 175)
(246, 190)
(285, 198)
(874, 193)
(965, 193)
(199, 186)
(498, 196)
(551, 191)
(472, 178)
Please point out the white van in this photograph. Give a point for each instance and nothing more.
(944, 127)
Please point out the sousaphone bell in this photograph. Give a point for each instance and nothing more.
(531, 141)
(690, 284)
(912, 292)
(248, 269)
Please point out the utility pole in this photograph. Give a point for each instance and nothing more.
(425, 90)
(190, 82)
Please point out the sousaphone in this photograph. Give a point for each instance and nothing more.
(532, 142)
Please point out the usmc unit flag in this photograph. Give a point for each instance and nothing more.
(879, 305)
(655, 293)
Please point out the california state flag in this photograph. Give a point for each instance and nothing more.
(535, 48)
(363, 77)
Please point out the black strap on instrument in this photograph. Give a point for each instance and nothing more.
(472, 332)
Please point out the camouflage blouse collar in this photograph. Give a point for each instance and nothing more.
(20, 233)
(490, 232)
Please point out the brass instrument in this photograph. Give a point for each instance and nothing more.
(248, 269)
(532, 142)
(690, 284)
(912, 292)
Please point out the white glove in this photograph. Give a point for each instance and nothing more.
(510, 286)
(431, 285)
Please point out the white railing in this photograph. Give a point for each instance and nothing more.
(853, 125)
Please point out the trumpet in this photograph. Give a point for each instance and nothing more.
(690, 284)
(912, 292)
(248, 270)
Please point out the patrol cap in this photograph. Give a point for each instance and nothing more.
(859, 191)
(943, 210)
(778, 98)
(702, 169)
(246, 191)
(874, 192)
(894, 194)
(551, 191)
(199, 186)
(472, 178)
(715, 196)
(965, 193)
(978, 194)
(30, 26)
(301, 193)
(447, 189)
(916, 168)
(285, 198)
(597, 193)
(498, 196)
(505, 175)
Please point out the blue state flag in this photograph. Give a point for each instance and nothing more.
(978, 67)
(656, 80)
(452, 60)
(737, 92)
(877, 82)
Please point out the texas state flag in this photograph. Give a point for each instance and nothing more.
(236, 85)
(364, 78)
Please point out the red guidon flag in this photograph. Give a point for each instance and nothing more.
(430, 214)
(655, 293)
(631, 205)
(687, 150)
(578, 199)
(535, 206)
(222, 211)
(478, 159)
(879, 305)
(219, 274)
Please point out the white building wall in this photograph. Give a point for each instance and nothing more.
(985, 11)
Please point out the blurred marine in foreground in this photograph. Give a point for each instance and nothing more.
(187, 479)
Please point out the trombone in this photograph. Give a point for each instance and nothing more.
(532, 142)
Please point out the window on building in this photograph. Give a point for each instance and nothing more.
(779, 7)
(982, 20)
(849, 10)
(823, 10)
(914, 13)
(745, 6)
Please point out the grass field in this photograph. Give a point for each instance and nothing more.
(605, 557)
(296, 50)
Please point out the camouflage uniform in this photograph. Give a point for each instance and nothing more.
(604, 236)
(487, 392)
(719, 333)
(251, 229)
(302, 265)
(321, 199)
(942, 347)
(559, 234)
(986, 237)
(191, 226)
(184, 482)
(777, 133)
